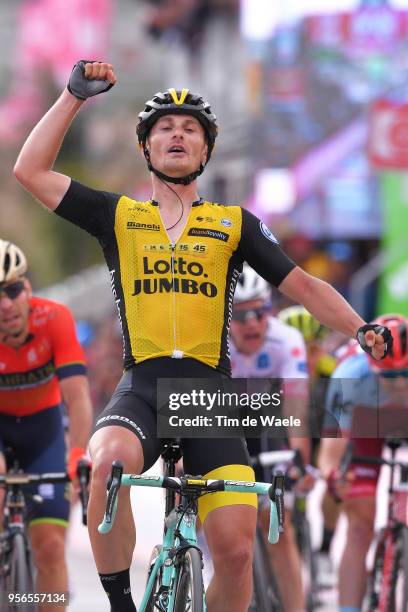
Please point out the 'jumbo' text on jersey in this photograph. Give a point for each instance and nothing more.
(175, 299)
(29, 375)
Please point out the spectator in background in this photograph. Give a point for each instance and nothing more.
(185, 20)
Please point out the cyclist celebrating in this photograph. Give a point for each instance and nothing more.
(41, 365)
(174, 262)
(378, 385)
(264, 347)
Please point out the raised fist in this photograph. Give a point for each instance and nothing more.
(90, 78)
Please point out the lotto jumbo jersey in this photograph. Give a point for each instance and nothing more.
(29, 375)
(175, 299)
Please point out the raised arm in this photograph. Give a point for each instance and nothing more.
(331, 309)
(261, 250)
(34, 165)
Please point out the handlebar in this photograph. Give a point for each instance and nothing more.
(21, 480)
(195, 487)
(289, 456)
(83, 473)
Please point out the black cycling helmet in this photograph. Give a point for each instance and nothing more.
(177, 102)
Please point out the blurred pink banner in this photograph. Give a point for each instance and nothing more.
(370, 29)
(54, 34)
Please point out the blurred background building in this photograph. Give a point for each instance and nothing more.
(312, 102)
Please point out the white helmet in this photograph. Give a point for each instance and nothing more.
(251, 286)
(13, 263)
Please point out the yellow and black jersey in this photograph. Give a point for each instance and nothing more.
(175, 300)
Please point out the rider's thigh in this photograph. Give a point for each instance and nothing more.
(115, 443)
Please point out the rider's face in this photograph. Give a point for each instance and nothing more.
(14, 308)
(177, 145)
(248, 326)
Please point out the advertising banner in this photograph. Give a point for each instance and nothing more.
(388, 135)
(393, 289)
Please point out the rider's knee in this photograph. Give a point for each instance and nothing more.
(102, 459)
(234, 559)
(360, 530)
(49, 551)
(101, 468)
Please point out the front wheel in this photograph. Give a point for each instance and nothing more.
(308, 559)
(265, 593)
(399, 575)
(375, 579)
(189, 586)
(21, 577)
(154, 592)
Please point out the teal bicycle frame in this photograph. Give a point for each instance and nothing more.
(180, 522)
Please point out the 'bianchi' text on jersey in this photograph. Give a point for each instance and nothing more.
(175, 299)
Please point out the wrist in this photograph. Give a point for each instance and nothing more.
(356, 329)
(76, 452)
(74, 455)
(71, 99)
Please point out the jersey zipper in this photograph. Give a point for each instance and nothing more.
(177, 354)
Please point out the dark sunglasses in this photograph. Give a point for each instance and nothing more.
(242, 316)
(12, 291)
(393, 373)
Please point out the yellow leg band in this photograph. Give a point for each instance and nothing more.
(211, 501)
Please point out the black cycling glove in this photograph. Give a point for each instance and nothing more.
(83, 88)
(379, 329)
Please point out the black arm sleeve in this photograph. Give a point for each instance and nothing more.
(90, 209)
(259, 247)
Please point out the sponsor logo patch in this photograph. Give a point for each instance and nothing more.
(151, 227)
(267, 232)
(206, 232)
(263, 361)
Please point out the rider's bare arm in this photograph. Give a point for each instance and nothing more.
(330, 454)
(328, 306)
(34, 165)
(75, 393)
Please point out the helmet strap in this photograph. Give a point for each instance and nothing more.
(179, 180)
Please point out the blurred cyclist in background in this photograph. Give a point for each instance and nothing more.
(263, 347)
(41, 365)
(360, 384)
(321, 344)
(174, 261)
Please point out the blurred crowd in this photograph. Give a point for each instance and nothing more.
(102, 343)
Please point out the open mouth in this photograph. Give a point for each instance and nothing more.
(11, 320)
(251, 337)
(177, 149)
